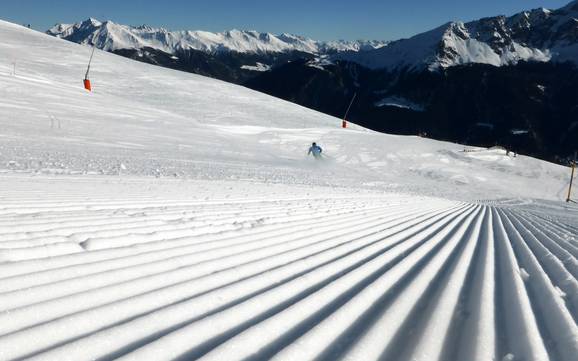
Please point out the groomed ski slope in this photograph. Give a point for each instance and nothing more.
(170, 216)
(229, 271)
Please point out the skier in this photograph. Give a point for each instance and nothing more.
(315, 150)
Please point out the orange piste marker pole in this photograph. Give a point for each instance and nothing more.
(86, 81)
(344, 122)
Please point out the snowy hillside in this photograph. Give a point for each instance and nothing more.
(110, 36)
(539, 35)
(145, 120)
(167, 215)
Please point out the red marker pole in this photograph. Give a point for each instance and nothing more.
(344, 122)
(86, 81)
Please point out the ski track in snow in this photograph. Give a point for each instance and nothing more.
(276, 272)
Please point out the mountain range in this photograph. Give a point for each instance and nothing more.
(504, 80)
(538, 35)
(110, 36)
(233, 56)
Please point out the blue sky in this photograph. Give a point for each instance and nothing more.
(323, 20)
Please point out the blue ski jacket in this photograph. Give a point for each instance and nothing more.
(315, 150)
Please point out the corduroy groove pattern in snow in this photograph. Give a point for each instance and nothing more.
(388, 277)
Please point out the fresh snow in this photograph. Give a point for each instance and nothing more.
(170, 216)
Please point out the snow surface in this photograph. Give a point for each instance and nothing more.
(170, 216)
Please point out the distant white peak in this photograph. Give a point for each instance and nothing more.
(458, 29)
(59, 28)
(339, 46)
(150, 29)
(109, 24)
(93, 22)
(292, 37)
(233, 32)
(257, 34)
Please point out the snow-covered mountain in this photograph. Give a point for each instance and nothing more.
(537, 35)
(110, 36)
